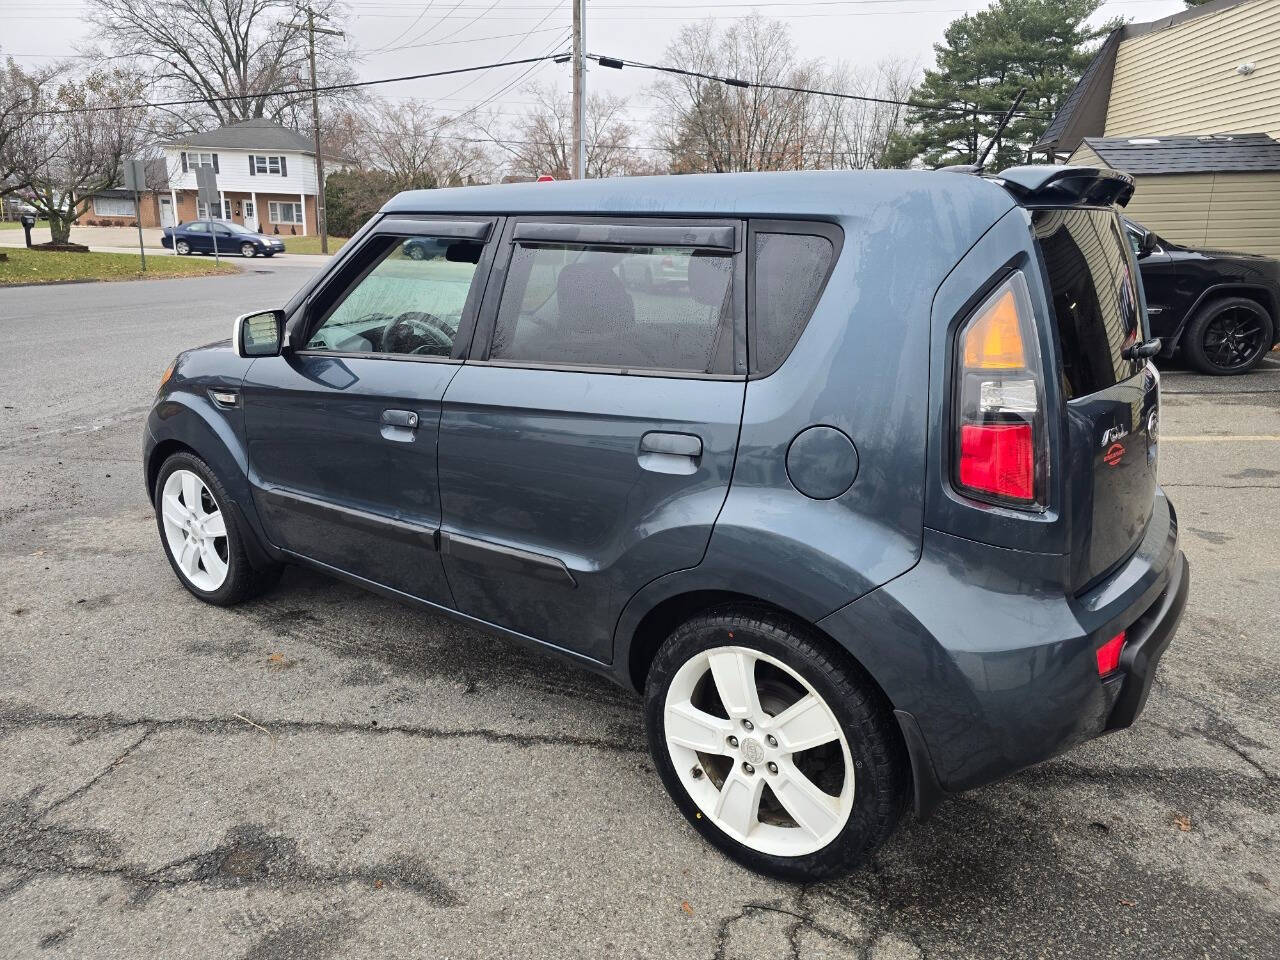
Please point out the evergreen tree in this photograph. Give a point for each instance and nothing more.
(985, 58)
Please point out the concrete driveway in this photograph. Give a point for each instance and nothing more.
(323, 773)
(96, 237)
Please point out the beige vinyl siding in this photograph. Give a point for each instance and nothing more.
(1183, 80)
(1085, 157)
(1227, 211)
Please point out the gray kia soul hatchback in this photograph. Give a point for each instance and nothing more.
(853, 475)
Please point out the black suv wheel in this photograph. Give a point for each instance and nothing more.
(774, 745)
(1228, 336)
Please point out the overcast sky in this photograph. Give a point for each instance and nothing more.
(442, 34)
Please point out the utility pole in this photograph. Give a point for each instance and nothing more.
(579, 89)
(321, 221)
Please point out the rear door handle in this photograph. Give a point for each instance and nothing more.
(400, 418)
(677, 453)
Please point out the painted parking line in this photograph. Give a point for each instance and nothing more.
(1216, 437)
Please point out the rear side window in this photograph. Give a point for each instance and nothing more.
(579, 305)
(1095, 298)
(790, 270)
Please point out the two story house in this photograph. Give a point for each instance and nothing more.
(266, 178)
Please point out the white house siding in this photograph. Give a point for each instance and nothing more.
(233, 171)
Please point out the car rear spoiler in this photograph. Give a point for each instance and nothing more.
(1046, 185)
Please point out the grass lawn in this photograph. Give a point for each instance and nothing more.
(35, 266)
(17, 225)
(311, 244)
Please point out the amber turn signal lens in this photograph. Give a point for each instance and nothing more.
(994, 340)
(168, 372)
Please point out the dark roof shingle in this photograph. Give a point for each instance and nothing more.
(250, 135)
(1218, 153)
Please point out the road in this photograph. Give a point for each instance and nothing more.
(324, 773)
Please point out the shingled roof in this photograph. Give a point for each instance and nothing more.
(250, 135)
(1219, 153)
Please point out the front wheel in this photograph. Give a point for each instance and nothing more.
(774, 745)
(248, 250)
(1229, 336)
(201, 539)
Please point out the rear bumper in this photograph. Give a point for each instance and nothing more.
(992, 667)
(1146, 643)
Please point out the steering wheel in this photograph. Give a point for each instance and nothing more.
(416, 332)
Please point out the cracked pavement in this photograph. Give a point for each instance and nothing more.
(324, 773)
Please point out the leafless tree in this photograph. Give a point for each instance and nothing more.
(74, 134)
(210, 50)
(421, 148)
(711, 126)
(542, 140)
(708, 125)
(855, 134)
(17, 89)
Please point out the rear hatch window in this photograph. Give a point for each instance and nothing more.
(1094, 296)
(1111, 401)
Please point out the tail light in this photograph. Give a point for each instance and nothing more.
(999, 430)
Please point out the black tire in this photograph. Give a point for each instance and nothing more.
(243, 579)
(882, 772)
(182, 248)
(1205, 349)
(248, 251)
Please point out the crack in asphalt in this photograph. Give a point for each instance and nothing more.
(105, 771)
(223, 726)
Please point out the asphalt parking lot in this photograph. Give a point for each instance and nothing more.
(323, 773)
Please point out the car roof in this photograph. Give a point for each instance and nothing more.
(805, 193)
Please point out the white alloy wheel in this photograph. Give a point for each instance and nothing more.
(752, 771)
(247, 249)
(182, 248)
(195, 530)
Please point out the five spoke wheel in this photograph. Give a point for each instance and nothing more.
(195, 530)
(759, 751)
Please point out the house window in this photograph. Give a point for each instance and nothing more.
(112, 207)
(202, 210)
(268, 165)
(200, 159)
(279, 212)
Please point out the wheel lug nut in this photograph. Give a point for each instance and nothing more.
(748, 768)
(696, 773)
(771, 740)
(773, 767)
(748, 725)
(733, 741)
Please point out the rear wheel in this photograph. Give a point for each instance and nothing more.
(200, 537)
(774, 745)
(182, 247)
(1229, 336)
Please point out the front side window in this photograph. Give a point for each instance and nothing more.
(657, 308)
(410, 302)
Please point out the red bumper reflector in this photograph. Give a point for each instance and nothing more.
(1109, 654)
(998, 458)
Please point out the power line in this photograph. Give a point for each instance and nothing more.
(619, 62)
(327, 88)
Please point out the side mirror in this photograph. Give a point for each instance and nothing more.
(1147, 245)
(259, 334)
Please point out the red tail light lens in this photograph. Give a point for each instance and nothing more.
(999, 458)
(1109, 655)
(999, 441)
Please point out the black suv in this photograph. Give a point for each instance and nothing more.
(1220, 308)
